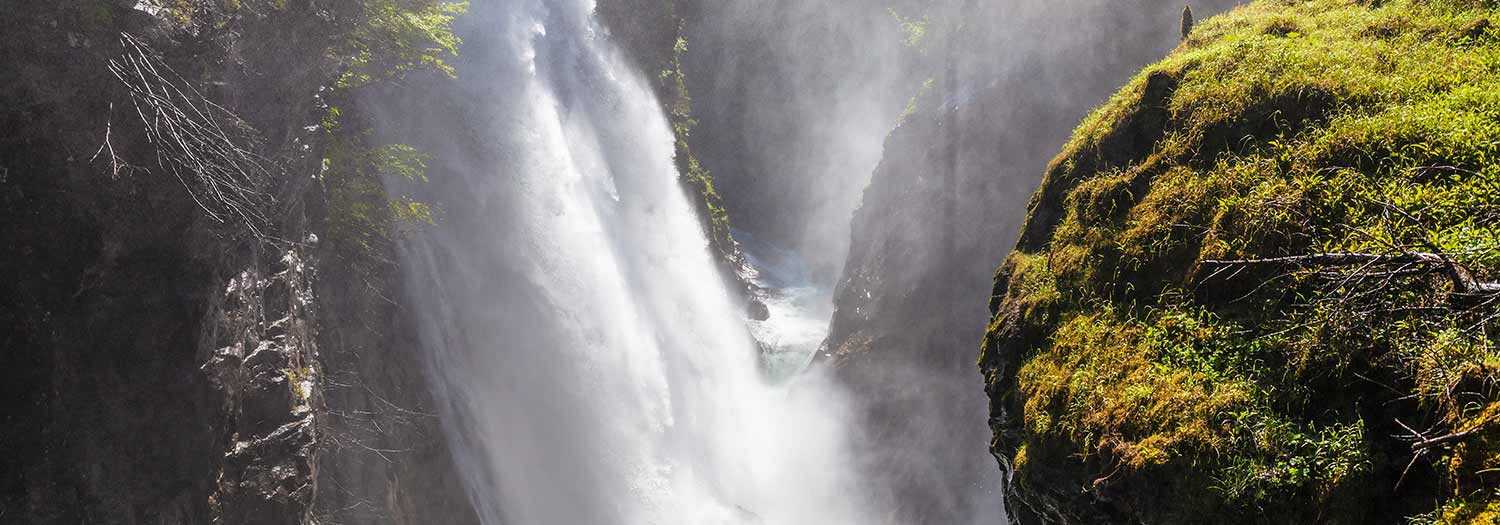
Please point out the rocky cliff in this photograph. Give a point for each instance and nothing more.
(1258, 285)
(653, 33)
(796, 97)
(172, 351)
(944, 203)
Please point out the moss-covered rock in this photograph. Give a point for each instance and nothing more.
(1257, 284)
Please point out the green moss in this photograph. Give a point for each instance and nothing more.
(1282, 128)
(1102, 385)
(913, 28)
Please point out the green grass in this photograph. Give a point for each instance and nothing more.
(1281, 128)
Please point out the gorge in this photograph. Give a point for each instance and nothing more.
(735, 262)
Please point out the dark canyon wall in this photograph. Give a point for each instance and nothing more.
(173, 351)
(1009, 81)
(795, 97)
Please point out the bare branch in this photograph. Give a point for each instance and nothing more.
(1463, 281)
(218, 166)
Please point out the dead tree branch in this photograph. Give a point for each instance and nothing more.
(1463, 281)
(114, 159)
(207, 147)
(1424, 442)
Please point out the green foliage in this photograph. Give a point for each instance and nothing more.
(362, 218)
(1282, 128)
(295, 378)
(399, 160)
(403, 162)
(911, 104)
(393, 38)
(398, 37)
(1201, 342)
(913, 29)
(1277, 459)
(699, 181)
(652, 31)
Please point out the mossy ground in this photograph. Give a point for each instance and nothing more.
(1167, 389)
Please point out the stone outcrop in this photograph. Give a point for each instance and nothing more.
(265, 371)
(946, 203)
(1200, 323)
(162, 366)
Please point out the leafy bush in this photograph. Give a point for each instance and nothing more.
(397, 37)
(393, 39)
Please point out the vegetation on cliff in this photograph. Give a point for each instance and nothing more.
(1258, 285)
(653, 33)
(360, 217)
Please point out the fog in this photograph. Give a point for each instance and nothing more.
(795, 98)
(802, 91)
(590, 365)
(592, 368)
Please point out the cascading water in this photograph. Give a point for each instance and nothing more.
(797, 309)
(591, 366)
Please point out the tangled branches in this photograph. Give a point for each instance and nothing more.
(1406, 263)
(207, 147)
(1376, 273)
(1438, 337)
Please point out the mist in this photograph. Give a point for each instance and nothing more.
(967, 101)
(796, 98)
(749, 262)
(876, 160)
(589, 363)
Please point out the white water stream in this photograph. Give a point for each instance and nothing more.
(591, 366)
(797, 310)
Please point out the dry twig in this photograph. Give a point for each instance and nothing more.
(217, 164)
(1463, 282)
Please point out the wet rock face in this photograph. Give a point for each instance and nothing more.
(264, 372)
(157, 366)
(758, 310)
(945, 205)
(903, 321)
(268, 479)
(102, 407)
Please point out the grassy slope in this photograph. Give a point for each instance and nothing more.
(1133, 381)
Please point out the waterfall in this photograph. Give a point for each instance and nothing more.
(590, 365)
